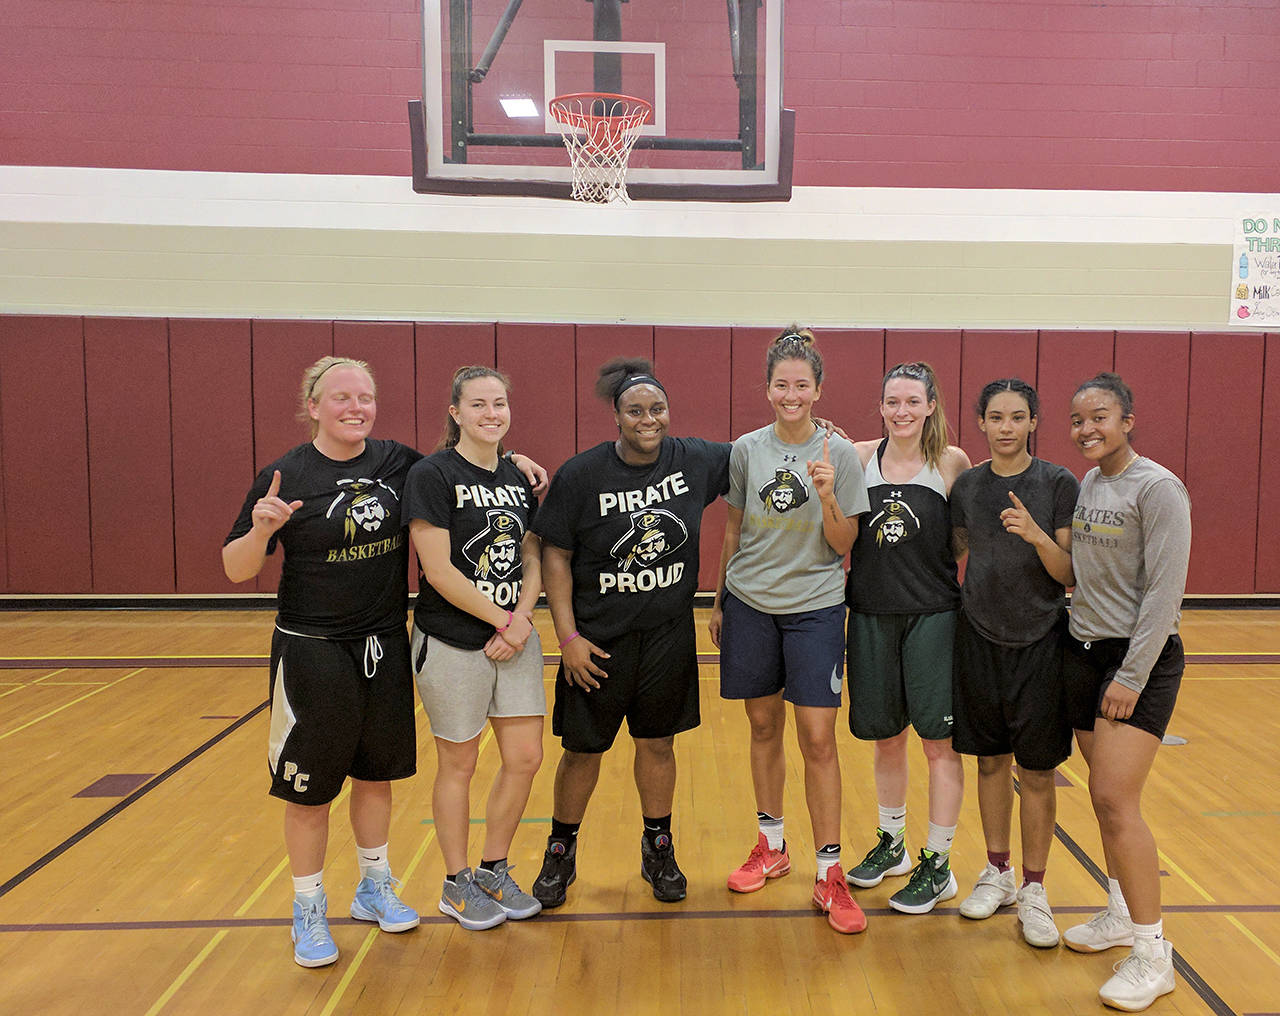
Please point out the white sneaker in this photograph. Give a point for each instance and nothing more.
(1104, 930)
(993, 890)
(1036, 917)
(1139, 981)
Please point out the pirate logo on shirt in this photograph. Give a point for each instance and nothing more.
(786, 491)
(895, 522)
(365, 512)
(495, 550)
(654, 534)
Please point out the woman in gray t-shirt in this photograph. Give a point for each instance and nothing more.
(1130, 539)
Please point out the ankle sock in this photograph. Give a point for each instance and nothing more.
(772, 829)
(373, 861)
(999, 859)
(655, 827)
(893, 820)
(308, 885)
(828, 856)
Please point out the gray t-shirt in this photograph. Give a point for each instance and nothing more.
(784, 564)
(1007, 594)
(1130, 542)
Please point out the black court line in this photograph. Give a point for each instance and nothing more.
(122, 804)
(172, 662)
(1189, 974)
(563, 918)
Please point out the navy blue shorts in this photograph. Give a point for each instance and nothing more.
(801, 655)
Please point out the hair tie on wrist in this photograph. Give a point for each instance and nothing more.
(510, 618)
(568, 640)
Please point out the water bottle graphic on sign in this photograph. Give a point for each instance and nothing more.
(1244, 266)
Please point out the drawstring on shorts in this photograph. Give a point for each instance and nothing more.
(372, 654)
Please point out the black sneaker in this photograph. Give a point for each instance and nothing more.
(659, 868)
(559, 869)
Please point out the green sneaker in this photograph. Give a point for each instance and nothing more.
(888, 857)
(931, 883)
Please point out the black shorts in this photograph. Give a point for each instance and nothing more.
(329, 721)
(652, 683)
(1010, 700)
(1089, 667)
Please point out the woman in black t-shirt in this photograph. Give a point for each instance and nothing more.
(341, 693)
(477, 659)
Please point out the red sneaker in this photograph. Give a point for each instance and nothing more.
(832, 895)
(762, 863)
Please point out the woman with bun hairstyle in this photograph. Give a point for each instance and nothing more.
(619, 532)
(1131, 541)
(795, 496)
(1013, 515)
(477, 659)
(902, 595)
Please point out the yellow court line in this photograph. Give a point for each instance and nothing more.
(343, 984)
(181, 979)
(61, 670)
(68, 705)
(1266, 950)
(244, 908)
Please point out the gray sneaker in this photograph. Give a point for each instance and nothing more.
(1105, 930)
(470, 905)
(502, 889)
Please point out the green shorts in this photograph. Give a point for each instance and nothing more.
(900, 674)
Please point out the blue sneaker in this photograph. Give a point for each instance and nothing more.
(313, 946)
(376, 900)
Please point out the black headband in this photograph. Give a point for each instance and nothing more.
(316, 380)
(632, 381)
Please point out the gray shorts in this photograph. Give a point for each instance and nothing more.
(462, 688)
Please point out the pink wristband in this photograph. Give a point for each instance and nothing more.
(510, 618)
(568, 640)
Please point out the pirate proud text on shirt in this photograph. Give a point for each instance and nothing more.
(624, 501)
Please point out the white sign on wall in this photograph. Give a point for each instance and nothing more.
(1255, 272)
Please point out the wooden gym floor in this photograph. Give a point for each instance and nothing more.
(143, 868)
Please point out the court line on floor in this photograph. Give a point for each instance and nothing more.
(125, 802)
(68, 705)
(670, 914)
(1189, 973)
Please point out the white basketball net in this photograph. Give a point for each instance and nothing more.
(599, 131)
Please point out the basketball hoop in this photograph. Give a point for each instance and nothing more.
(599, 129)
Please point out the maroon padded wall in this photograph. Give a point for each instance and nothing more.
(130, 454)
(1158, 367)
(211, 392)
(1268, 546)
(539, 359)
(693, 365)
(1224, 441)
(46, 457)
(1066, 359)
(82, 398)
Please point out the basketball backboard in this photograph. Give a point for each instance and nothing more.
(712, 70)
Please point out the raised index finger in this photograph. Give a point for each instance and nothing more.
(826, 448)
(1016, 503)
(274, 489)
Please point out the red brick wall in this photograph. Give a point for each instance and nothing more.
(1170, 95)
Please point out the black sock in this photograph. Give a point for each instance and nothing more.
(454, 877)
(655, 827)
(493, 865)
(564, 832)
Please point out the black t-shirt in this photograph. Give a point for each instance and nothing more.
(346, 556)
(633, 531)
(486, 514)
(1007, 595)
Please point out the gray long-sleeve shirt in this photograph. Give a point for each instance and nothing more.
(1130, 542)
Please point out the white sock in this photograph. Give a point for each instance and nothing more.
(826, 860)
(1115, 898)
(373, 861)
(308, 885)
(772, 829)
(940, 837)
(1147, 940)
(893, 820)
